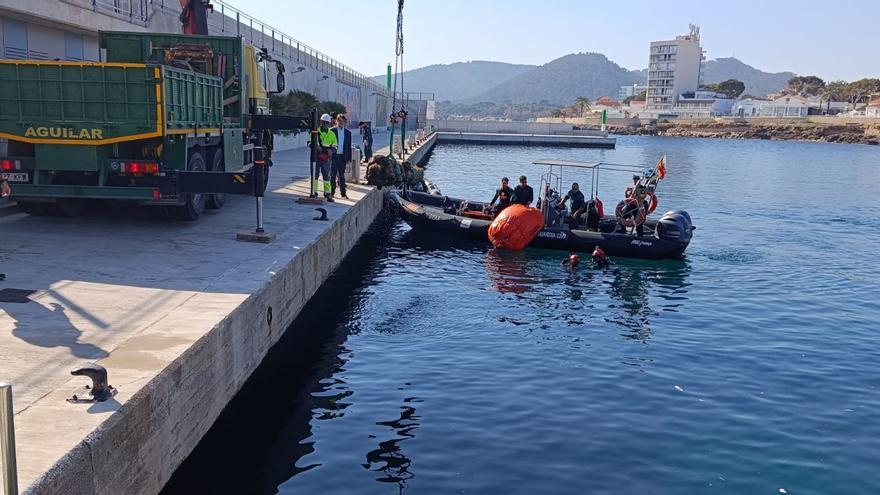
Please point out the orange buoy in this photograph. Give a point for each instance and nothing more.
(515, 227)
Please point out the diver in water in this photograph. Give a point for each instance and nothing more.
(572, 261)
(599, 260)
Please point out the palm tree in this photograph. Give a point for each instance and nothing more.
(582, 104)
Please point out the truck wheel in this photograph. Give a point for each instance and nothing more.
(217, 200)
(193, 203)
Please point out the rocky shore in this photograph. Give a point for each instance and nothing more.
(849, 133)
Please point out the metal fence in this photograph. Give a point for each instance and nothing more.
(227, 20)
(230, 21)
(134, 11)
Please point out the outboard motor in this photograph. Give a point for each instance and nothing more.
(682, 213)
(675, 226)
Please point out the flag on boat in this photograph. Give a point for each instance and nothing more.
(661, 168)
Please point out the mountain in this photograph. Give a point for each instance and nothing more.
(562, 80)
(758, 83)
(460, 80)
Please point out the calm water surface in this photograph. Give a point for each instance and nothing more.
(434, 366)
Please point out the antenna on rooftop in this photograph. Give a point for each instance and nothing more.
(694, 32)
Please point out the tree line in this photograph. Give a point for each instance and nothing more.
(301, 103)
(853, 92)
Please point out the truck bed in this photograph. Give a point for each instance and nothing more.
(87, 103)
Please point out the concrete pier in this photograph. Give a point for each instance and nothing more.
(568, 140)
(519, 133)
(180, 314)
(421, 150)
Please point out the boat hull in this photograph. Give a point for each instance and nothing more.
(426, 212)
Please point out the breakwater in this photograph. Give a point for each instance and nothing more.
(852, 133)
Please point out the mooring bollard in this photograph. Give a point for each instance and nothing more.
(7, 441)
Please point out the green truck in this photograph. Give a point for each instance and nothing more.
(173, 122)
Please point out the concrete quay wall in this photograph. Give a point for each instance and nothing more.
(509, 127)
(421, 150)
(526, 139)
(137, 449)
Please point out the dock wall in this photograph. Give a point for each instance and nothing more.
(421, 150)
(526, 139)
(137, 449)
(509, 127)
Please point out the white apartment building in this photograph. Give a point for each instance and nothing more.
(632, 90)
(702, 105)
(675, 67)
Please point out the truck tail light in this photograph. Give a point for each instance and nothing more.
(10, 165)
(140, 168)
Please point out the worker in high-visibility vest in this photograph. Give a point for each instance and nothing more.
(326, 149)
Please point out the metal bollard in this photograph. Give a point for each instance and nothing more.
(7, 441)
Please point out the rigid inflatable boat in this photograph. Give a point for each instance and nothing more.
(667, 237)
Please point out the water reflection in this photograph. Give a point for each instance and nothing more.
(389, 458)
(630, 288)
(508, 271)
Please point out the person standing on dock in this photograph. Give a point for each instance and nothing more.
(523, 193)
(341, 157)
(367, 134)
(327, 149)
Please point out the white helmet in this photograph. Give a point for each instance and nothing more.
(326, 118)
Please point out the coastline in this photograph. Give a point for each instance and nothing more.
(850, 133)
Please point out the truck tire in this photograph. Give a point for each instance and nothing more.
(193, 203)
(217, 200)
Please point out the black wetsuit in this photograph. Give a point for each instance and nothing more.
(578, 206)
(498, 192)
(523, 194)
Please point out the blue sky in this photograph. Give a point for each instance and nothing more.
(836, 40)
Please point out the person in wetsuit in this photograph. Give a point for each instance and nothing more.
(503, 195)
(523, 193)
(598, 258)
(578, 205)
